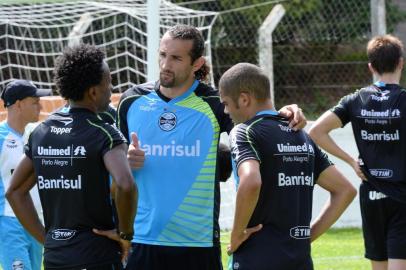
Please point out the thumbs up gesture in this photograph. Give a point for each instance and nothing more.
(135, 155)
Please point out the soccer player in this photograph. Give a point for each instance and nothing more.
(21, 99)
(174, 125)
(377, 114)
(70, 156)
(276, 170)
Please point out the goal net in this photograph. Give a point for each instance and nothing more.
(32, 36)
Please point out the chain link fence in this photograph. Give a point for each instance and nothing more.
(319, 47)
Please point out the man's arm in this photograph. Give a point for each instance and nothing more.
(342, 192)
(125, 195)
(319, 132)
(246, 201)
(18, 194)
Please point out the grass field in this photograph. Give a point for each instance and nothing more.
(338, 249)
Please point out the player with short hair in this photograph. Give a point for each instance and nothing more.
(377, 115)
(178, 120)
(21, 100)
(276, 169)
(70, 156)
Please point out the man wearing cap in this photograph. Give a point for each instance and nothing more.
(19, 250)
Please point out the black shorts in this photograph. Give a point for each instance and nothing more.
(153, 257)
(383, 225)
(109, 266)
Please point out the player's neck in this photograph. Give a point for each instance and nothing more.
(83, 104)
(259, 107)
(16, 123)
(173, 92)
(389, 78)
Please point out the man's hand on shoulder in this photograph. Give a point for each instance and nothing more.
(297, 119)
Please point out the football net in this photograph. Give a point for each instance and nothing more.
(33, 36)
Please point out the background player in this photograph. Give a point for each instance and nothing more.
(21, 99)
(377, 114)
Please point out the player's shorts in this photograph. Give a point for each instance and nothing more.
(109, 266)
(266, 250)
(20, 250)
(383, 224)
(153, 257)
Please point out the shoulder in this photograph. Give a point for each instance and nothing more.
(205, 91)
(132, 94)
(139, 90)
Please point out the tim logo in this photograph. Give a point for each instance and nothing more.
(17, 264)
(167, 121)
(62, 234)
(381, 173)
(300, 232)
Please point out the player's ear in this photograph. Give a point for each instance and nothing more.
(91, 93)
(244, 99)
(198, 63)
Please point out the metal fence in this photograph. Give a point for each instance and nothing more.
(318, 47)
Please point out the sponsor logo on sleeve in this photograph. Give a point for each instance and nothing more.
(62, 234)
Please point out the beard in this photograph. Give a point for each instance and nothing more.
(167, 79)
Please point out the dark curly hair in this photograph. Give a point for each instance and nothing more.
(78, 69)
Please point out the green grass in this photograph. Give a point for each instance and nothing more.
(336, 249)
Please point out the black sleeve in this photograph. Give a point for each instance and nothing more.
(121, 120)
(112, 138)
(342, 109)
(321, 161)
(211, 96)
(243, 144)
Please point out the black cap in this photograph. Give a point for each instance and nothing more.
(20, 89)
